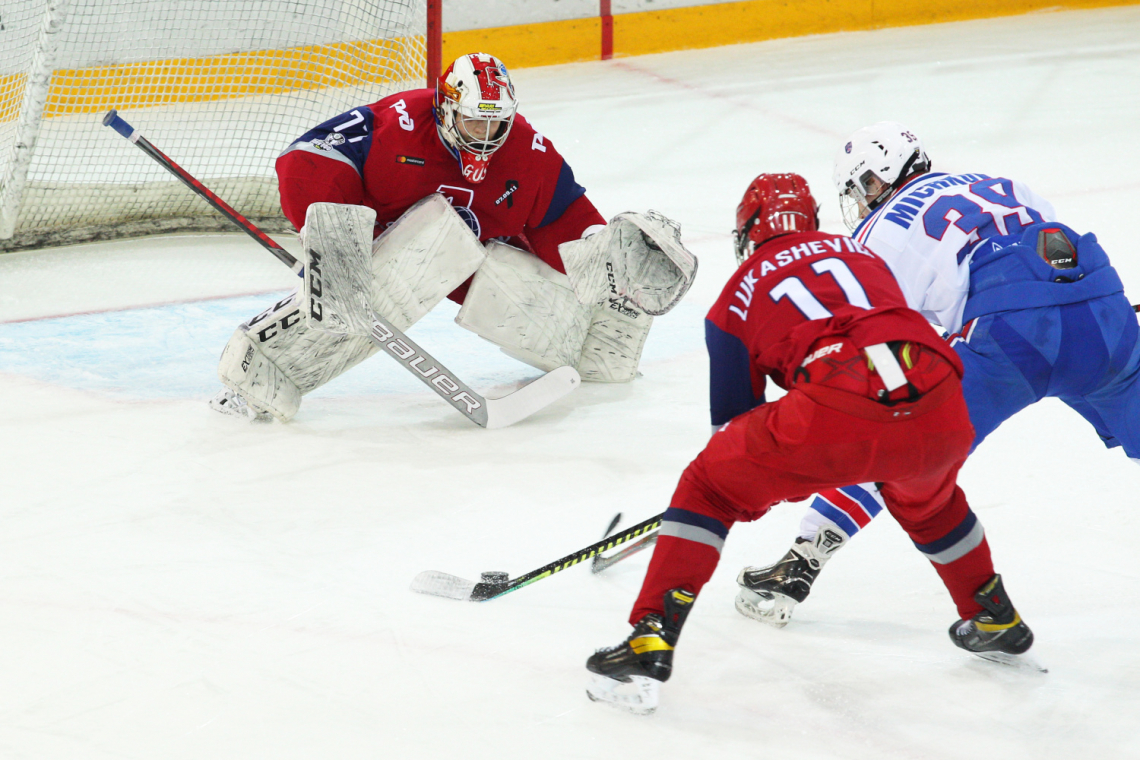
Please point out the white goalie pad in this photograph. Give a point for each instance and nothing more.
(338, 267)
(276, 357)
(420, 258)
(635, 256)
(614, 342)
(530, 311)
(264, 387)
(427, 253)
(525, 307)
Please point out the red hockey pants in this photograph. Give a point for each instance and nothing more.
(817, 437)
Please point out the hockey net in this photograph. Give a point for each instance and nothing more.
(222, 86)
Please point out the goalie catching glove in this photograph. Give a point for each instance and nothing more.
(638, 257)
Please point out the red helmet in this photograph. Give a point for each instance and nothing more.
(774, 204)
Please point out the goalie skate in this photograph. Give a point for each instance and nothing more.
(229, 403)
(637, 695)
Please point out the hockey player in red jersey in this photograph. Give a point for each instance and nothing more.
(873, 394)
(388, 155)
(422, 160)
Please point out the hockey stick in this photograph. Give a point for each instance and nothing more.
(601, 561)
(489, 413)
(495, 584)
(115, 122)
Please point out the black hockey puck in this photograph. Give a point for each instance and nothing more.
(494, 576)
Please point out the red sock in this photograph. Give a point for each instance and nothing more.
(676, 563)
(965, 575)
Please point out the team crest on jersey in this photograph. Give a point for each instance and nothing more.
(470, 219)
(461, 199)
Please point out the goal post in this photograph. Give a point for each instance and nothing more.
(223, 85)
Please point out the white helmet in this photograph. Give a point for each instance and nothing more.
(474, 109)
(876, 161)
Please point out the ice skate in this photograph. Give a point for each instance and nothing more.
(997, 633)
(769, 594)
(628, 676)
(232, 404)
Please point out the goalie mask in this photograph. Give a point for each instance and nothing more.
(474, 109)
(774, 204)
(874, 163)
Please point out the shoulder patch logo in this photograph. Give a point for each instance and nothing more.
(411, 160)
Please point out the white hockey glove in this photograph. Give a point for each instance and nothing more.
(635, 256)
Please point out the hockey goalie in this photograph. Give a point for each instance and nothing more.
(470, 203)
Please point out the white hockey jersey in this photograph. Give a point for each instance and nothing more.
(927, 231)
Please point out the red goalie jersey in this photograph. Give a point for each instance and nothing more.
(389, 155)
(777, 314)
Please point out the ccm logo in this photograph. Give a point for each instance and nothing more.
(409, 356)
(273, 328)
(316, 310)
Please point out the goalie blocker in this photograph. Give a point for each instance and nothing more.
(595, 320)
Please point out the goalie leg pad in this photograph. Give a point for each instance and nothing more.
(427, 253)
(265, 388)
(338, 267)
(614, 342)
(423, 256)
(525, 307)
(276, 357)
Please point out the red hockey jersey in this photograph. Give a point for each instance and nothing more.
(794, 291)
(389, 155)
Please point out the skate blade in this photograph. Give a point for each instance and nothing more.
(638, 696)
(1022, 662)
(443, 584)
(775, 612)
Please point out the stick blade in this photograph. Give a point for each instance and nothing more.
(601, 562)
(449, 586)
(538, 394)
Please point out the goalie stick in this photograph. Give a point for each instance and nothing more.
(495, 584)
(488, 413)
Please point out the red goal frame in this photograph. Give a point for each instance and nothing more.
(434, 40)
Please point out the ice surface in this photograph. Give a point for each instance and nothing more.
(178, 584)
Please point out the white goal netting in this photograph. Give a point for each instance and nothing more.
(221, 86)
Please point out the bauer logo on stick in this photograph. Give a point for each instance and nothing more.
(416, 361)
